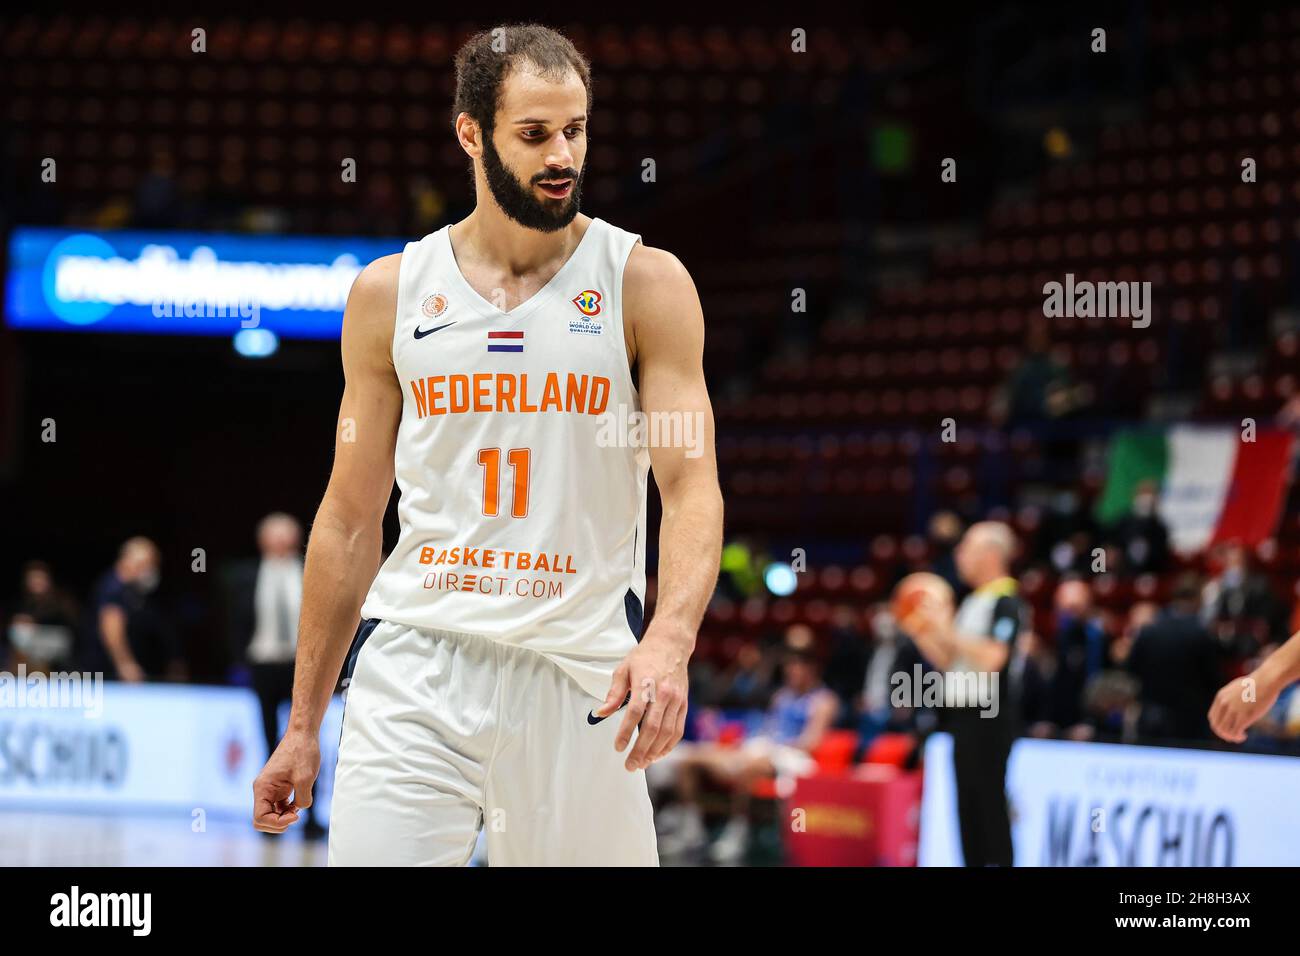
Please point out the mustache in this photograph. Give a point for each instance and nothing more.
(569, 173)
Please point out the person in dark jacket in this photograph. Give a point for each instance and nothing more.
(1141, 534)
(130, 637)
(1177, 662)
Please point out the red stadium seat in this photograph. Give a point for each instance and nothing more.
(891, 749)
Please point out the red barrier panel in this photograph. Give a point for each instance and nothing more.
(870, 818)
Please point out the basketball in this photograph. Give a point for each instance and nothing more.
(913, 589)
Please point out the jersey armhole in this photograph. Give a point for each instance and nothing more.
(404, 271)
(619, 270)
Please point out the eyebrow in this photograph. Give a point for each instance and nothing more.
(542, 122)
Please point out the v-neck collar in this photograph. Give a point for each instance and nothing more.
(533, 301)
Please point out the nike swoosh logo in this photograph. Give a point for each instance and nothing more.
(421, 333)
(593, 719)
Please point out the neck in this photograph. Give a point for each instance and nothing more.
(988, 578)
(488, 233)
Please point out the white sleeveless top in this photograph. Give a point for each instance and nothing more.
(521, 521)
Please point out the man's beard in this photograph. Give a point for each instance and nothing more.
(517, 200)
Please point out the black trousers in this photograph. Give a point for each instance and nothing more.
(273, 684)
(980, 749)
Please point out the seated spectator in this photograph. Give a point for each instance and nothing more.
(748, 681)
(42, 627)
(1110, 709)
(1067, 535)
(1141, 535)
(799, 715)
(1240, 607)
(1038, 388)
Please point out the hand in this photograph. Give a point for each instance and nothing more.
(131, 672)
(1233, 709)
(655, 672)
(291, 770)
(931, 620)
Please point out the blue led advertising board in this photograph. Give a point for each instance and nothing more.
(183, 283)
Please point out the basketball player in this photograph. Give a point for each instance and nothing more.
(482, 366)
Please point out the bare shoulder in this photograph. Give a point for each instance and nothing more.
(660, 304)
(371, 311)
(376, 284)
(650, 270)
(371, 315)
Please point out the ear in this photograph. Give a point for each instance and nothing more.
(469, 134)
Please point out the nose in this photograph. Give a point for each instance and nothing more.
(559, 154)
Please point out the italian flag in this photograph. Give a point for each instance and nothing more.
(1214, 484)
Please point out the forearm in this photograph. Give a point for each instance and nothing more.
(119, 651)
(690, 548)
(978, 653)
(937, 651)
(112, 628)
(1282, 667)
(816, 729)
(342, 558)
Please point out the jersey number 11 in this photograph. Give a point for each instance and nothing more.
(519, 460)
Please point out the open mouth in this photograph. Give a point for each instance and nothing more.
(556, 188)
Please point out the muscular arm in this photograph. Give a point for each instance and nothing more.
(665, 327)
(1282, 667)
(347, 535)
(1245, 700)
(668, 325)
(346, 540)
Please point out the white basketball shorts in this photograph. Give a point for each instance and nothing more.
(445, 733)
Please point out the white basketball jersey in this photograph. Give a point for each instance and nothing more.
(522, 507)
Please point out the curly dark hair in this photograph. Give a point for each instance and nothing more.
(488, 57)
